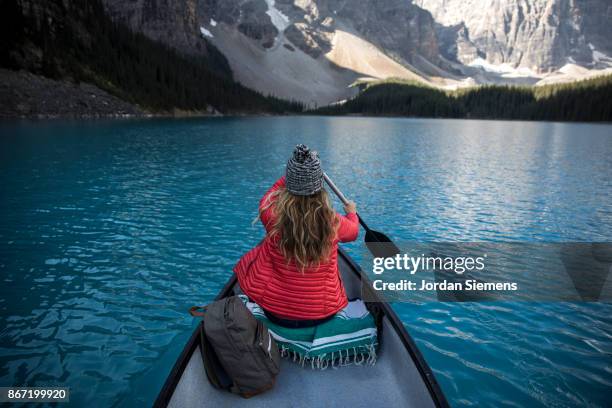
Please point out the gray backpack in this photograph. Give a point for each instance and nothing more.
(238, 351)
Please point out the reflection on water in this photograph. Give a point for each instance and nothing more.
(110, 230)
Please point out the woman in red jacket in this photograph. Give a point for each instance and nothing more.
(293, 273)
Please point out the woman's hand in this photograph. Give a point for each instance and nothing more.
(350, 207)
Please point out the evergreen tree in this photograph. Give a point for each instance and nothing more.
(587, 100)
(79, 41)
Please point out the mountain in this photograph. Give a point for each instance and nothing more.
(97, 62)
(538, 36)
(175, 23)
(313, 50)
(243, 55)
(309, 50)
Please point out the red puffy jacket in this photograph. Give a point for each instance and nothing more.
(283, 289)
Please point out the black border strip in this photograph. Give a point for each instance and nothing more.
(433, 387)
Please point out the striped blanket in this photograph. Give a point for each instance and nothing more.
(350, 337)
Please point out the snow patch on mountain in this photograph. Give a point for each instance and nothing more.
(206, 33)
(505, 70)
(599, 57)
(280, 21)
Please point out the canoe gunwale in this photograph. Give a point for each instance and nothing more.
(419, 361)
(165, 394)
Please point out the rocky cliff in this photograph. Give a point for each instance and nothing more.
(536, 35)
(174, 23)
(312, 50)
(309, 50)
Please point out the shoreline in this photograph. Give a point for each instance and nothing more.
(204, 115)
(28, 96)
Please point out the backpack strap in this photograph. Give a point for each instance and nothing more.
(215, 372)
(198, 311)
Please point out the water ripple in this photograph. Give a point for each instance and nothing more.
(110, 230)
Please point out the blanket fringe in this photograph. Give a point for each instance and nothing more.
(361, 356)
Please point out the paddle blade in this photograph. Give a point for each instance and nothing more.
(380, 245)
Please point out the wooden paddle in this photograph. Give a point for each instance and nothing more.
(378, 243)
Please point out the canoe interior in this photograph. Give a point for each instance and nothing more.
(400, 376)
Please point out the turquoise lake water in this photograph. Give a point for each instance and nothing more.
(110, 230)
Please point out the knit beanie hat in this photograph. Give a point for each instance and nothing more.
(304, 173)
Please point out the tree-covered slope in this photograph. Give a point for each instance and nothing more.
(588, 100)
(77, 40)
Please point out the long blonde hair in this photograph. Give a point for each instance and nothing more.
(305, 226)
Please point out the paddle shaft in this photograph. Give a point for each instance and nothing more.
(378, 243)
(342, 198)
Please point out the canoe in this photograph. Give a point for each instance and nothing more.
(400, 377)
